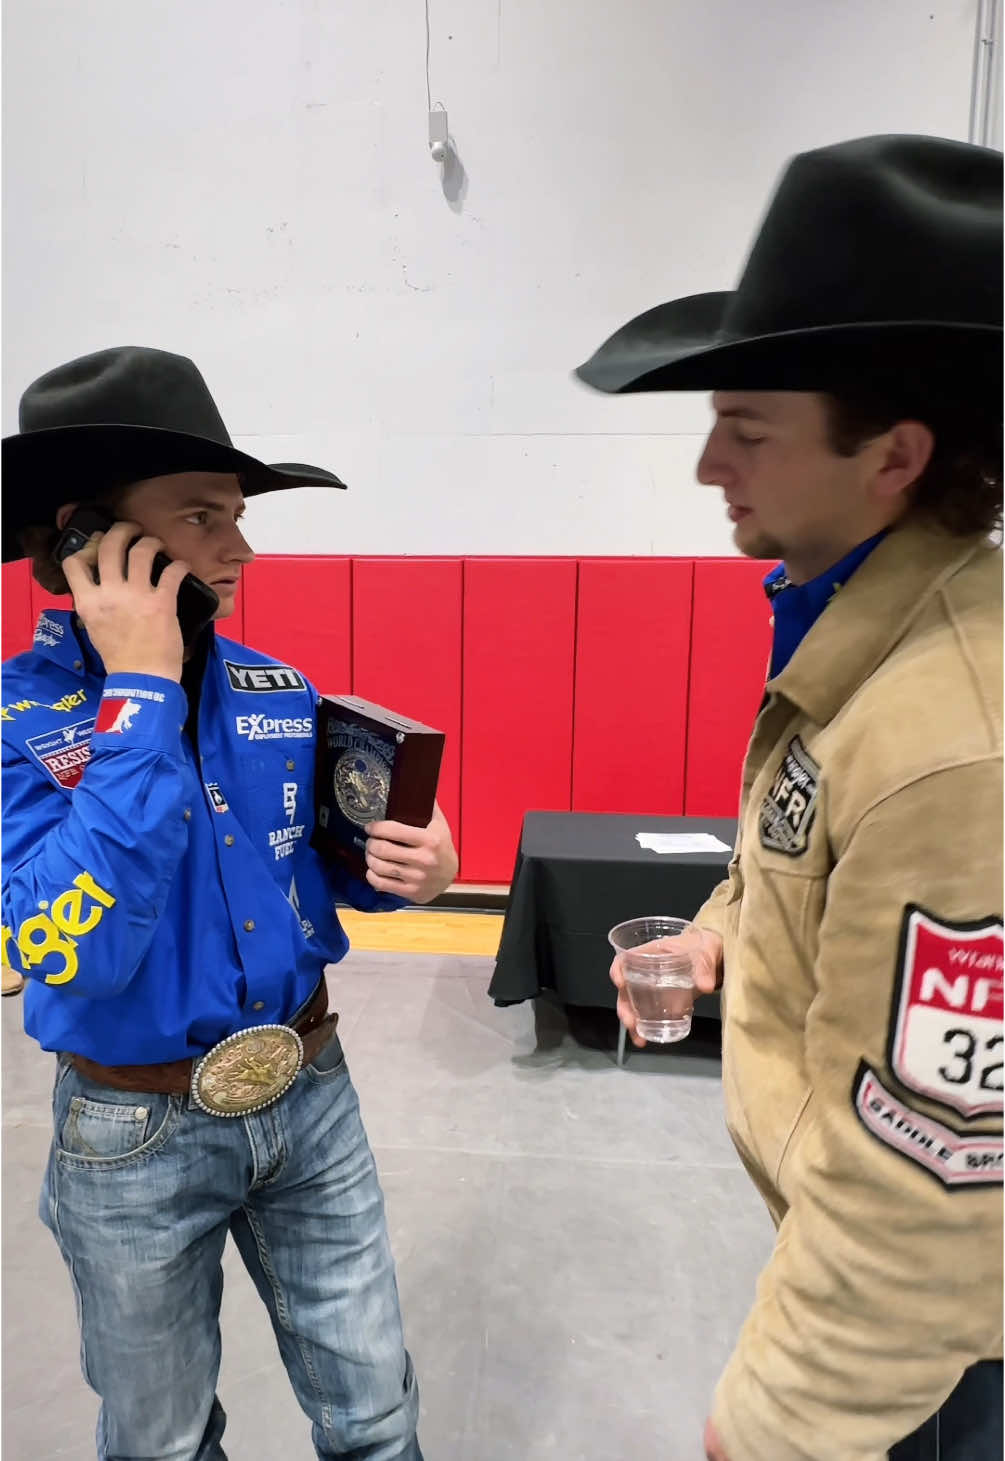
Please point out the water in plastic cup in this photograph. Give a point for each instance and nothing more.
(657, 957)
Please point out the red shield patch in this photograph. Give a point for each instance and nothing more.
(116, 715)
(946, 1021)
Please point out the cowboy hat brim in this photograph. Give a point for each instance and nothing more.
(44, 469)
(682, 346)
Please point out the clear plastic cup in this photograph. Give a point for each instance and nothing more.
(657, 958)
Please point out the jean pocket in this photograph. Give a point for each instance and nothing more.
(106, 1128)
(329, 1063)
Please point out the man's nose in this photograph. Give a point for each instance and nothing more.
(713, 469)
(238, 549)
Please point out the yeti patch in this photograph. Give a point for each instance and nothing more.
(788, 810)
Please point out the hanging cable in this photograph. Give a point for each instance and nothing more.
(987, 41)
(429, 98)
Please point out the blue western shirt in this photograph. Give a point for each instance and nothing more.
(159, 895)
(798, 606)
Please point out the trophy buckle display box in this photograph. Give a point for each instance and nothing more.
(373, 765)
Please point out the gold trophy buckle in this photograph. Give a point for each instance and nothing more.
(248, 1071)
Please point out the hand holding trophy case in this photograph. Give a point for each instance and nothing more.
(372, 765)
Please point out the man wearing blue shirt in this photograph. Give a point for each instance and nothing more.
(162, 899)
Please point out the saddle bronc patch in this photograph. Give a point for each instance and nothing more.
(788, 810)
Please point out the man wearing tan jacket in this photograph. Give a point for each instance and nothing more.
(856, 374)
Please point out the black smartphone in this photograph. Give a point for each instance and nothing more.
(197, 602)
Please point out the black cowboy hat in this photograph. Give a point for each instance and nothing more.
(116, 417)
(878, 259)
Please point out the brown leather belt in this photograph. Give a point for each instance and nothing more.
(246, 1072)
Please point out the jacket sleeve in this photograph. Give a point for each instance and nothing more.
(712, 913)
(885, 1282)
(86, 880)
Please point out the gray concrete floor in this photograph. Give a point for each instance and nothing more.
(576, 1244)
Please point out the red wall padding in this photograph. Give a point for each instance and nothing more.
(298, 610)
(540, 671)
(633, 645)
(407, 651)
(41, 600)
(516, 750)
(15, 611)
(730, 645)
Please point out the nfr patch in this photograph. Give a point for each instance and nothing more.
(788, 810)
(945, 1040)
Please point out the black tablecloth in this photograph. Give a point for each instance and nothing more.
(578, 874)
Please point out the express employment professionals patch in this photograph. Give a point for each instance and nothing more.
(945, 1038)
(787, 811)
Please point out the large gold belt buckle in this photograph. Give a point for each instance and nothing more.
(247, 1071)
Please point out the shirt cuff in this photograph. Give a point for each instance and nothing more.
(356, 893)
(142, 712)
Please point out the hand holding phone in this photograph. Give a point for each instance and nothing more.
(128, 594)
(197, 602)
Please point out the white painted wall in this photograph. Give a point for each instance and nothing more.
(248, 182)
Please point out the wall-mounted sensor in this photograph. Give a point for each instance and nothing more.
(439, 139)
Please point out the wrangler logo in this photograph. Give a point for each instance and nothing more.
(57, 929)
(68, 702)
(17, 706)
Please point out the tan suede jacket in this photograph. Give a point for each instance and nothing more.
(862, 1054)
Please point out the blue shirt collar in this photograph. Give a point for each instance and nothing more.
(61, 638)
(797, 607)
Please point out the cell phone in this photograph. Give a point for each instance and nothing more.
(197, 602)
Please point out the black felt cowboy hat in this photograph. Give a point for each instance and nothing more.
(116, 417)
(877, 259)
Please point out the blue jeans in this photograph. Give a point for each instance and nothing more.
(140, 1194)
(968, 1427)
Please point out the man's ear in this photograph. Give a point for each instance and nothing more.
(908, 448)
(65, 513)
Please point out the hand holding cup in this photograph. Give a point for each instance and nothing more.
(660, 965)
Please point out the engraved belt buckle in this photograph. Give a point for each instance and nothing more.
(247, 1071)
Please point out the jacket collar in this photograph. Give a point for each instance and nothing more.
(870, 615)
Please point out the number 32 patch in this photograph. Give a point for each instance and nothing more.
(946, 1020)
(945, 1044)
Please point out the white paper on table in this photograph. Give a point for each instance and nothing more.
(680, 843)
